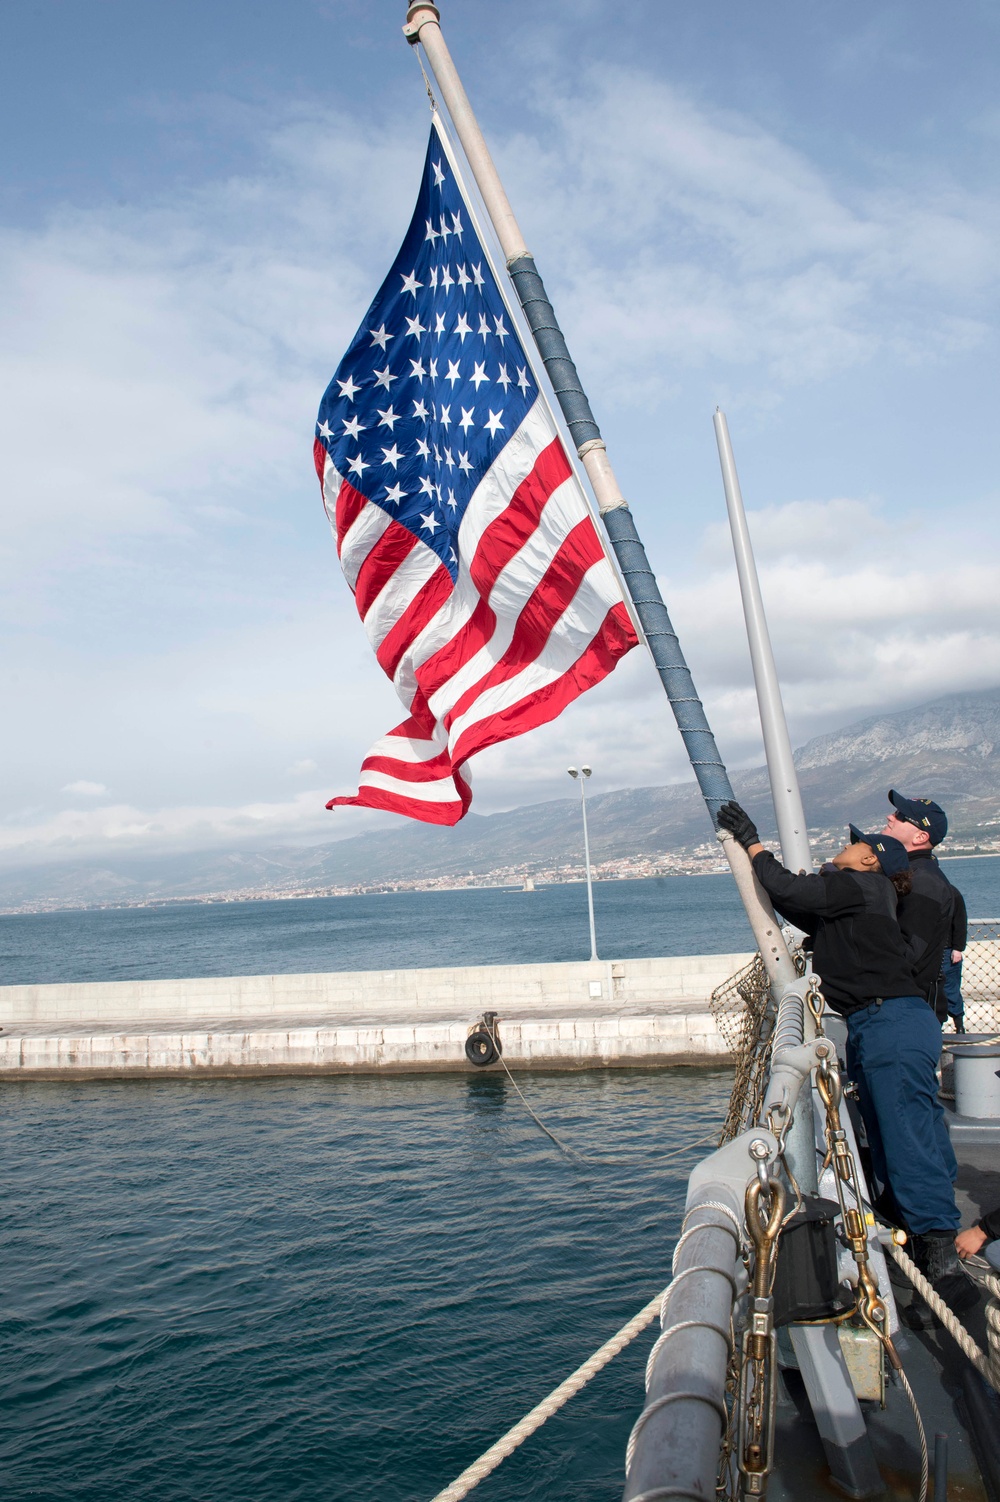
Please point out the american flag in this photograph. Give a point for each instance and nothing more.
(461, 526)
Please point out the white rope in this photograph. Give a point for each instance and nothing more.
(952, 1324)
(707, 1225)
(671, 1397)
(508, 1443)
(684, 1324)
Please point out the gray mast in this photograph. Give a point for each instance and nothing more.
(781, 772)
(423, 26)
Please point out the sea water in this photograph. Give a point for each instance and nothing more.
(341, 1288)
(330, 1288)
(673, 915)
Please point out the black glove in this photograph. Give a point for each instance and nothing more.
(739, 824)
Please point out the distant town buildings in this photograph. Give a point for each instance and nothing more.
(698, 860)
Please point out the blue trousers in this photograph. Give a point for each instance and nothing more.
(893, 1047)
(951, 984)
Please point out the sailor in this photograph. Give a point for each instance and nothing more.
(982, 1239)
(932, 916)
(848, 911)
(951, 979)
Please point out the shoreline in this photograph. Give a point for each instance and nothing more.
(513, 883)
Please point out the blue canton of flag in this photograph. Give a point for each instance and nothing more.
(434, 382)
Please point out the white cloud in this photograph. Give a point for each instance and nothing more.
(858, 623)
(838, 528)
(684, 233)
(122, 829)
(171, 579)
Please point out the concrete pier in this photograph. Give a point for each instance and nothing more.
(567, 1016)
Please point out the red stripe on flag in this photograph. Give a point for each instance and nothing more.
(613, 640)
(557, 587)
(412, 808)
(433, 770)
(425, 604)
(464, 645)
(410, 730)
(350, 504)
(395, 544)
(510, 531)
(464, 788)
(319, 459)
(501, 541)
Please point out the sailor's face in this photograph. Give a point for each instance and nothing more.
(855, 857)
(908, 835)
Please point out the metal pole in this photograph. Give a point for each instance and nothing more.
(423, 27)
(584, 774)
(781, 772)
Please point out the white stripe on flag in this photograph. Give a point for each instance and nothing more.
(398, 593)
(332, 481)
(513, 587)
(442, 791)
(404, 749)
(569, 639)
(490, 499)
(361, 536)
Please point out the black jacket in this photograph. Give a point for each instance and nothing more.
(858, 950)
(932, 919)
(959, 923)
(990, 1223)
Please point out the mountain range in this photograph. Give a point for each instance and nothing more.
(948, 749)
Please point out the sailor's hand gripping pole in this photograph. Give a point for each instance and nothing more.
(423, 26)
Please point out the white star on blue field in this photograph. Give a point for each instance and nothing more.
(434, 382)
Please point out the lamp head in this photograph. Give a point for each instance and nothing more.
(586, 771)
(572, 771)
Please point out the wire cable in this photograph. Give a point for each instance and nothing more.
(570, 1152)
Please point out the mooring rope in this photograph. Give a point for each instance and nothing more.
(654, 1159)
(508, 1443)
(988, 1369)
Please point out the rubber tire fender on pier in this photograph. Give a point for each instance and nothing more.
(481, 1047)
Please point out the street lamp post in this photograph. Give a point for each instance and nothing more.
(583, 773)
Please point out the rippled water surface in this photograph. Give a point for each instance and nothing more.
(669, 915)
(330, 1288)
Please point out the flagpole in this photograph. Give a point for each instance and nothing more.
(785, 792)
(423, 26)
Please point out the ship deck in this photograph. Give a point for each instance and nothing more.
(952, 1397)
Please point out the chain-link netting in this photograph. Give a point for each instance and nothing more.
(981, 977)
(744, 1018)
(742, 1013)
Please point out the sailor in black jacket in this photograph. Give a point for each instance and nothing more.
(933, 913)
(982, 1238)
(848, 911)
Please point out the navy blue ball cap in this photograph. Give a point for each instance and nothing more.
(892, 856)
(922, 813)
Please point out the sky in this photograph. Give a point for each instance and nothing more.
(788, 211)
